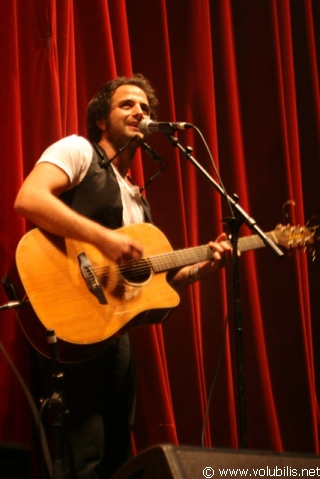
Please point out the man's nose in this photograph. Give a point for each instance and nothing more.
(137, 111)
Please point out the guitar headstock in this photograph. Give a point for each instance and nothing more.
(290, 237)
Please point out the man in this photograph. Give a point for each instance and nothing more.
(75, 191)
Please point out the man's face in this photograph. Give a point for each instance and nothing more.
(129, 106)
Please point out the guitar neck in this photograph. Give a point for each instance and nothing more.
(184, 257)
(248, 243)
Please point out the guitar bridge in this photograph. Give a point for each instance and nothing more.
(91, 279)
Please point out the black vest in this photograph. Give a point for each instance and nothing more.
(98, 195)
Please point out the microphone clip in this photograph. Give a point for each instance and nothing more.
(157, 158)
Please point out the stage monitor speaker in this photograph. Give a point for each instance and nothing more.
(173, 462)
(14, 462)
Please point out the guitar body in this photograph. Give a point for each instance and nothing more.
(53, 280)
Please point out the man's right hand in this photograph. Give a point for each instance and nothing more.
(120, 248)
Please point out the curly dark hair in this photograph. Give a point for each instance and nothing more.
(99, 106)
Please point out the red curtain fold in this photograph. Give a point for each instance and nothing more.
(247, 75)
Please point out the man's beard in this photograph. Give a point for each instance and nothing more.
(121, 141)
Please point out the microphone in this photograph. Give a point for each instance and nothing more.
(148, 126)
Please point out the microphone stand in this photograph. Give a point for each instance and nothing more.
(240, 217)
(60, 413)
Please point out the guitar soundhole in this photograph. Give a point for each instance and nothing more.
(138, 272)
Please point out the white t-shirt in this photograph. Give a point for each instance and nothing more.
(73, 154)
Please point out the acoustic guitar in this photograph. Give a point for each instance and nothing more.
(69, 287)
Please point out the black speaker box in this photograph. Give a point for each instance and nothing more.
(173, 462)
(14, 462)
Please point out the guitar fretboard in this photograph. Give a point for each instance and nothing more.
(179, 258)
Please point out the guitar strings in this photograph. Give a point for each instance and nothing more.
(182, 257)
(160, 263)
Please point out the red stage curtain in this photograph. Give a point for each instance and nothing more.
(247, 75)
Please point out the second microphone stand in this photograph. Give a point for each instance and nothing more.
(239, 217)
(60, 414)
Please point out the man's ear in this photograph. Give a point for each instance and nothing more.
(101, 124)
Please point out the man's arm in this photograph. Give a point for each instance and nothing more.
(38, 202)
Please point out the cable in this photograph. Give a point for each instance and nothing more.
(206, 415)
(214, 167)
(35, 412)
